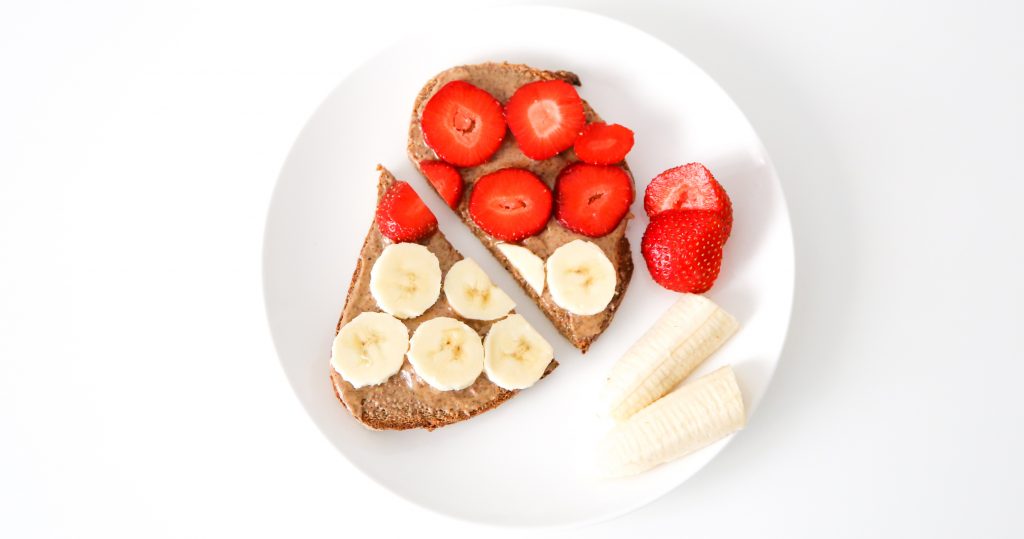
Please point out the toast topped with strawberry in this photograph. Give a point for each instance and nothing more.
(539, 178)
(425, 339)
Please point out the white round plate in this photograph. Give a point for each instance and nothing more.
(526, 462)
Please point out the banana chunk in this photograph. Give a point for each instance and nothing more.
(446, 353)
(369, 349)
(515, 355)
(405, 280)
(472, 294)
(689, 331)
(580, 278)
(529, 265)
(690, 418)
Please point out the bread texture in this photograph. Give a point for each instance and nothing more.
(501, 80)
(405, 401)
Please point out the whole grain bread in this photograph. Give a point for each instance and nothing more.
(501, 80)
(405, 401)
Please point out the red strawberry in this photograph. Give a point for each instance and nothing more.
(545, 117)
(603, 144)
(683, 249)
(402, 216)
(510, 204)
(445, 179)
(463, 124)
(689, 187)
(592, 199)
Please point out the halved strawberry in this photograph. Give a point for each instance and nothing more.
(683, 249)
(603, 144)
(689, 187)
(592, 199)
(445, 179)
(510, 204)
(463, 124)
(402, 216)
(545, 117)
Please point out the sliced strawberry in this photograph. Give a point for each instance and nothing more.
(683, 249)
(603, 144)
(545, 117)
(402, 216)
(592, 199)
(689, 187)
(445, 179)
(463, 124)
(510, 204)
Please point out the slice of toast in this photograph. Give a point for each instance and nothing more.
(501, 80)
(405, 401)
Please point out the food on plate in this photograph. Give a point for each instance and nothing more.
(683, 249)
(688, 187)
(509, 196)
(407, 356)
(690, 418)
(581, 278)
(603, 144)
(445, 179)
(682, 338)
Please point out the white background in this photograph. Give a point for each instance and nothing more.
(139, 392)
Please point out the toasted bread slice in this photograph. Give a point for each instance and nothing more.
(405, 401)
(501, 80)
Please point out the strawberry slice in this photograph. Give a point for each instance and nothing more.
(545, 117)
(683, 249)
(603, 144)
(445, 179)
(402, 216)
(592, 199)
(463, 124)
(689, 187)
(510, 204)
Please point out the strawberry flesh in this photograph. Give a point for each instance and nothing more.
(463, 124)
(683, 249)
(545, 117)
(445, 179)
(510, 204)
(603, 144)
(592, 199)
(402, 216)
(689, 187)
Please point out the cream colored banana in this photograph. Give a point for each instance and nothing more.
(405, 280)
(370, 348)
(529, 265)
(446, 353)
(515, 355)
(691, 417)
(472, 294)
(679, 341)
(580, 278)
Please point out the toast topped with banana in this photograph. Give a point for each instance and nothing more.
(425, 339)
(537, 176)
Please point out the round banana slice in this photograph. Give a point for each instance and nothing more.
(472, 294)
(529, 265)
(446, 353)
(369, 349)
(515, 355)
(581, 278)
(405, 280)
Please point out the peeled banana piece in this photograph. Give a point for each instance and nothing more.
(689, 331)
(690, 418)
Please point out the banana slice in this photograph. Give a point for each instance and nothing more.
(581, 278)
(672, 348)
(691, 417)
(529, 265)
(405, 280)
(472, 294)
(446, 353)
(515, 355)
(369, 349)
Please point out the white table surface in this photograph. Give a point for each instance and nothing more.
(139, 391)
